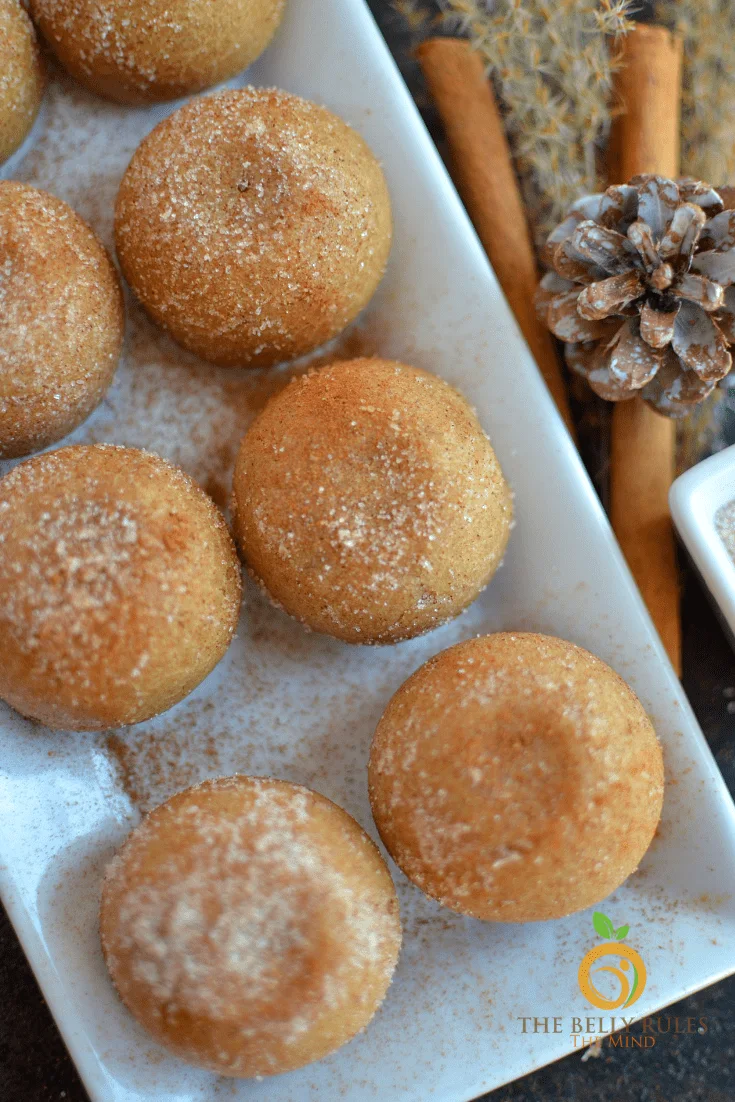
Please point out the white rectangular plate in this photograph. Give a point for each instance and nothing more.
(304, 707)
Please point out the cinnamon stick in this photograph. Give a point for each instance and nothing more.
(485, 178)
(642, 461)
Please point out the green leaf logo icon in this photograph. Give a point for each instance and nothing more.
(604, 927)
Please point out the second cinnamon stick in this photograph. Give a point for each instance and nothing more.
(646, 139)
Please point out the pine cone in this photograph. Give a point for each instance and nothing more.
(642, 290)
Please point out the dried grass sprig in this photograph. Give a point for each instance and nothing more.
(415, 14)
(553, 63)
(708, 29)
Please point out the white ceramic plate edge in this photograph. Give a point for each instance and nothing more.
(93, 1074)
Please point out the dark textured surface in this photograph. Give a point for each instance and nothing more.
(34, 1065)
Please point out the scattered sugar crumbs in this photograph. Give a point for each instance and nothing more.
(153, 765)
(195, 414)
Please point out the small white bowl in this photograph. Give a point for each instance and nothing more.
(695, 499)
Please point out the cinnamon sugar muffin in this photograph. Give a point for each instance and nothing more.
(61, 319)
(250, 926)
(368, 501)
(145, 51)
(120, 583)
(253, 226)
(516, 777)
(22, 76)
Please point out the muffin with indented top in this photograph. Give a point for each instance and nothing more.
(516, 777)
(250, 925)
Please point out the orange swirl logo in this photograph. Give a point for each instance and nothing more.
(629, 970)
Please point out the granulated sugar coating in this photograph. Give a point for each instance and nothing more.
(369, 502)
(22, 76)
(120, 583)
(250, 925)
(516, 777)
(143, 51)
(61, 319)
(725, 527)
(253, 226)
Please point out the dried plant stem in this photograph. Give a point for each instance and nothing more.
(552, 62)
(708, 30)
(483, 172)
(642, 461)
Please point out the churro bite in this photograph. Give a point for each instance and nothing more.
(146, 51)
(120, 583)
(368, 501)
(253, 226)
(22, 77)
(250, 925)
(516, 777)
(61, 319)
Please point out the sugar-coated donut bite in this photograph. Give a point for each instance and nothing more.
(61, 319)
(253, 226)
(516, 777)
(368, 501)
(145, 51)
(120, 584)
(250, 925)
(22, 76)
